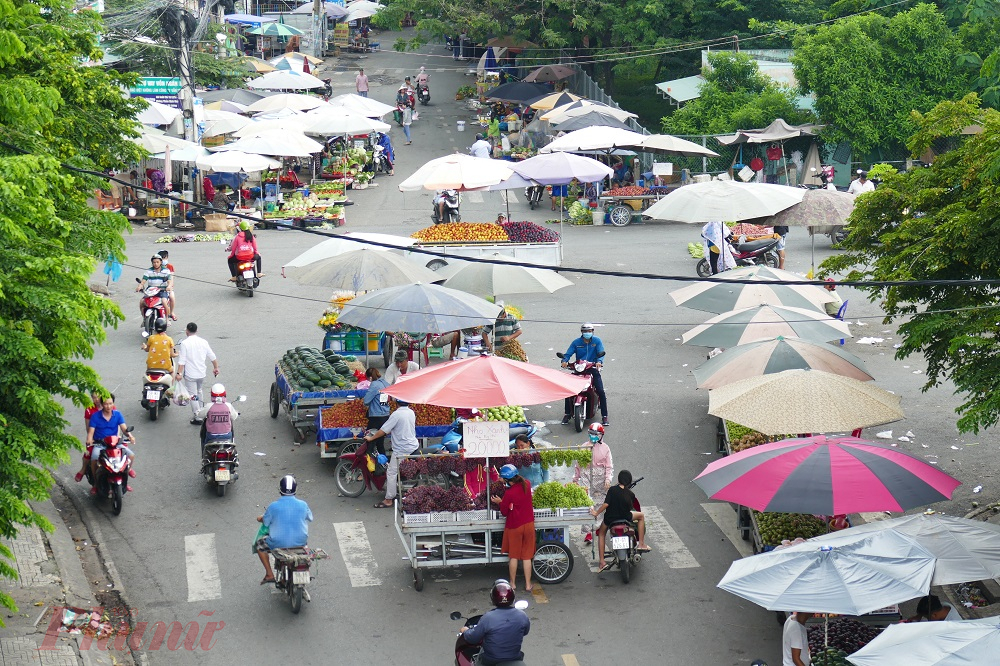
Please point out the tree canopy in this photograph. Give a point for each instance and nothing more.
(940, 223)
(53, 110)
(735, 96)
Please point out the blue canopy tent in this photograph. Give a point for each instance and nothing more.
(247, 19)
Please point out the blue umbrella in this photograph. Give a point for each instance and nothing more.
(491, 59)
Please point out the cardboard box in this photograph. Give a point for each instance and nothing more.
(215, 222)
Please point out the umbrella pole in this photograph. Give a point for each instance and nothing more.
(812, 255)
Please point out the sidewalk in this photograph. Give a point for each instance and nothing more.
(51, 576)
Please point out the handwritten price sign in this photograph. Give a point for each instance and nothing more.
(486, 439)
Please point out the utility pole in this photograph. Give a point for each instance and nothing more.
(319, 15)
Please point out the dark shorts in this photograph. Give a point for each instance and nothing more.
(261, 546)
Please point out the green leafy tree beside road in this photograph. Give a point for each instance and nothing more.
(52, 110)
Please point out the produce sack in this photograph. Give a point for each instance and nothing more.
(513, 350)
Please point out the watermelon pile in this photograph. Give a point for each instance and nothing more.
(310, 370)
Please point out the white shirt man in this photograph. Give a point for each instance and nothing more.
(861, 184)
(401, 426)
(192, 366)
(481, 148)
(795, 641)
(399, 367)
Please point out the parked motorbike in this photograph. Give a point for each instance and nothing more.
(423, 93)
(452, 200)
(465, 652)
(246, 277)
(153, 307)
(380, 161)
(220, 459)
(534, 195)
(154, 392)
(112, 472)
(761, 252)
(621, 544)
(585, 403)
(358, 469)
(293, 571)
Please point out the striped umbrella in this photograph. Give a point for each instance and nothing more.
(766, 321)
(766, 357)
(723, 295)
(826, 476)
(276, 30)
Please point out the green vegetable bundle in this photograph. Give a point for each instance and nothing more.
(564, 457)
(554, 495)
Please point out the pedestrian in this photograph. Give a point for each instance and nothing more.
(361, 83)
(833, 307)
(407, 120)
(861, 184)
(559, 193)
(781, 231)
(192, 366)
(493, 132)
(170, 287)
(519, 528)
(401, 364)
(378, 404)
(717, 249)
(480, 148)
(401, 426)
(795, 640)
(596, 477)
(506, 330)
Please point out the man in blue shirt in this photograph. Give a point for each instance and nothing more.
(502, 630)
(587, 348)
(107, 423)
(287, 519)
(378, 405)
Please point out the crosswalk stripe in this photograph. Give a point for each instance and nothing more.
(508, 196)
(475, 197)
(202, 567)
(570, 660)
(666, 541)
(357, 554)
(722, 514)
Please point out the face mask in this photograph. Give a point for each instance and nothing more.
(587, 336)
(595, 439)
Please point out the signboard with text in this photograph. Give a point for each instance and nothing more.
(173, 101)
(341, 34)
(486, 439)
(157, 85)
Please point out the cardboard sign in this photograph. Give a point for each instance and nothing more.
(486, 439)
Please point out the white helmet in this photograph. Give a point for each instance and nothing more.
(218, 393)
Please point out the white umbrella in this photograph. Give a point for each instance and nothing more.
(284, 79)
(492, 279)
(724, 200)
(362, 106)
(457, 172)
(326, 249)
(362, 9)
(156, 141)
(296, 123)
(965, 643)
(190, 153)
(610, 138)
(665, 143)
(277, 143)
(360, 269)
(293, 101)
(561, 168)
(870, 572)
(419, 307)
(226, 105)
(219, 122)
(329, 121)
(157, 114)
(235, 161)
(333, 11)
(583, 106)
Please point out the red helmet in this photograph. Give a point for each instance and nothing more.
(502, 594)
(596, 429)
(218, 393)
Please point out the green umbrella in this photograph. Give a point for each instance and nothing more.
(276, 30)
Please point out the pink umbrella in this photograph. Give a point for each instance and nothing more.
(826, 476)
(486, 381)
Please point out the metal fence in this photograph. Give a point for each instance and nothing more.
(583, 85)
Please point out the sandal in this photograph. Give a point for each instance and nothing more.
(266, 580)
(647, 549)
(173, 317)
(383, 505)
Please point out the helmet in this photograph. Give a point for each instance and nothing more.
(381, 459)
(244, 225)
(421, 68)
(502, 594)
(596, 429)
(287, 485)
(586, 327)
(155, 257)
(508, 472)
(160, 325)
(218, 393)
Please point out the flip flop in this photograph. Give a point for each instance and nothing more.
(266, 580)
(383, 505)
(173, 317)
(647, 549)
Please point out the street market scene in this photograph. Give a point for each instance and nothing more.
(418, 334)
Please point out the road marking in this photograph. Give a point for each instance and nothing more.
(508, 196)
(475, 197)
(570, 660)
(539, 594)
(666, 541)
(357, 554)
(202, 567)
(722, 514)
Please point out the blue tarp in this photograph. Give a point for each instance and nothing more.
(246, 19)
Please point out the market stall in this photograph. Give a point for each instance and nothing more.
(311, 205)
(523, 241)
(340, 427)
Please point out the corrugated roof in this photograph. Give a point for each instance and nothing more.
(681, 90)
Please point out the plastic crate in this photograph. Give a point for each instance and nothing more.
(353, 342)
(416, 518)
(477, 515)
(442, 517)
(576, 511)
(545, 513)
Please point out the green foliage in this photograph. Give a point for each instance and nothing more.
(555, 495)
(213, 70)
(940, 223)
(57, 110)
(881, 171)
(868, 72)
(565, 457)
(735, 96)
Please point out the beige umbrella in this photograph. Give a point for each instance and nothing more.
(766, 321)
(822, 211)
(722, 295)
(258, 65)
(801, 401)
(358, 270)
(492, 279)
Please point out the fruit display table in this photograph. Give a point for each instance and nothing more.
(524, 241)
(339, 427)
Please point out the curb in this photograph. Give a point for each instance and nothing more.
(74, 581)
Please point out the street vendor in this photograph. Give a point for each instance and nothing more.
(378, 404)
(474, 339)
(833, 307)
(931, 609)
(400, 366)
(401, 426)
(505, 333)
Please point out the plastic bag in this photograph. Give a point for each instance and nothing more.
(181, 395)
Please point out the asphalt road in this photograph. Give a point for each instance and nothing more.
(183, 551)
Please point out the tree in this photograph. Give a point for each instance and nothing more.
(53, 110)
(735, 96)
(868, 72)
(940, 223)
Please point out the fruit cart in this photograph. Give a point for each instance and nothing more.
(522, 240)
(623, 204)
(332, 441)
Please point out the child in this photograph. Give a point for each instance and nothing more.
(173, 298)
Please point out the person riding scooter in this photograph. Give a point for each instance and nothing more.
(243, 247)
(501, 630)
(157, 275)
(287, 519)
(586, 348)
(217, 418)
(617, 506)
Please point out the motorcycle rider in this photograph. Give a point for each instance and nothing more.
(598, 476)
(287, 519)
(618, 506)
(106, 423)
(157, 275)
(159, 348)
(501, 630)
(243, 247)
(422, 78)
(217, 417)
(586, 348)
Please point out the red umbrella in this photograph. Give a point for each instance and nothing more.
(486, 381)
(305, 66)
(826, 476)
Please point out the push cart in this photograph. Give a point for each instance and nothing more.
(302, 407)
(622, 209)
(449, 539)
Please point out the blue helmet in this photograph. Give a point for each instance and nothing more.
(508, 472)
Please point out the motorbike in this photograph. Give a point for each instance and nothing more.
(246, 276)
(465, 652)
(452, 200)
(153, 307)
(534, 195)
(380, 161)
(621, 543)
(585, 403)
(452, 440)
(293, 571)
(220, 459)
(761, 252)
(423, 93)
(358, 469)
(112, 472)
(154, 392)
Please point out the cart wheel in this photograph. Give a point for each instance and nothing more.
(274, 400)
(552, 562)
(620, 215)
(703, 268)
(387, 350)
(418, 580)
